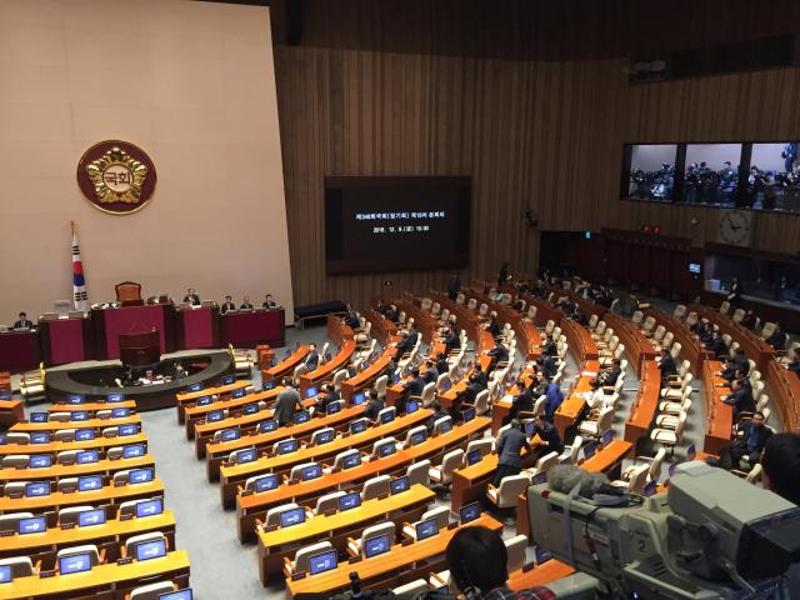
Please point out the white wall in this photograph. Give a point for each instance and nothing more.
(651, 157)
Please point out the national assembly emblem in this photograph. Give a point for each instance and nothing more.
(116, 177)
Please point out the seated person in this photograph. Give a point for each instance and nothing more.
(180, 371)
(23, 322)
(192, 298)
(312, 359)
(518, 304)
(667, 367)
(351, 319)
(228, 305)
(717, 345)
(737, 364)
(609, 376)
(493, 327)
(539, 384)
(269, 302)
(442, 366)
(246, 305)
(778, 338)
(451, 339)
(741, 397)
(327, 396)
(391, 369)
(751, 436)
(481, 377)
(374, 405)
(749, 320)
(409, 341)
(549, 365)
(438, 413)
(547, 432)
(795, 364)
(549, 346)
(523, 401)
(499, 353)
(430, 373)
(781, 462)
(580, 316)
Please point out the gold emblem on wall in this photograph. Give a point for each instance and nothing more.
(116, 177)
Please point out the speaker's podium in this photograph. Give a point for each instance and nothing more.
(140, 349)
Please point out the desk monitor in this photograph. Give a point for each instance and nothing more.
(38, 488)
(250, 409)
(396, 378)
(446, 385)
(324, 561)
(179, 595)
(38, 417)
(75, 398)
(607, 437)
(691, 452)
(426, 529)
(32, 525)
(267, 426)
(312, 391)
(387, 417)
(5, 574)
(40, 461)
(195, 387)
(539, 478)
(468, 414)
(267, 483)
(311, 472)
(419, 437)
(79, 415)
(325, 437)
(90, 483)
(301, 416)
(286, 446)
(400, 484)
(75, 563)
(351, 460)
(359, 399)
(149, 508)
(238, 393)
(412, 406)
(128, 429)
(446, 426)
(333, 408)
(84, 435)
(348, 501)
(215, 416)
(358, 426)
(228, 379)
(694, 268)
(540, 555)
(140, 476)
(474, 456)
(387, 449)
(111, 398)
(267, 385)
(3, 439)
(40, 437)
(118, 413)
(293, 516)
(589, 450)
(247, 455)
(87, 456)
(230, 434)
(151, 550)
(5, 395)
(469, 512)
(90, 518)
(380, 544)
(204, 401)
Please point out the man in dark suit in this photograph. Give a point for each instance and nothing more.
(453, 287)
(228, 305)
(409, 341)
(539, 385)
(328, 396)
(442, 365)
(288, 400)
(795, 365)
(351, 319)
(735, 293)
(549, 365)
(246, 305)
(523, 401)
(23, 322)
(451, 339)
(778, 338)
(430, 373)
(413, 386)
(741, 397)
(667, 367)
(269, 302)
(751, 437)
(481, 377)
(499, 353)
(312, 359)
(191, 297)
(509, 449)
(738, 363)
(549, 347)
(493, 327)
(718, 346)
(547, 432)
(554, 399)
(374, 405)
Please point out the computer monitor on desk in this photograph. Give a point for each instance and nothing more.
(5, 574)
(91, 518)
(90, 483)
(377, 545)
(312, 391)
(75, 563)
(267, 483)
(32, 525)
(426, 529)
(151, 550)
(149, 508)
(399, 484)
(324, 561)
(348, 501)
(179, 595)
(293, 516)
(40, 461)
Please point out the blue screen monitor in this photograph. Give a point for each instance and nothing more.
(268, 385)
(358, 426)
(325, 437)
(140, 476)
(5, 574)
(474, 456)
(672, 468)
(75, 399)
(468, 414)
(5, 395)
(348, 501)
(90, 483)
(118, 413)
(650, 488)
(3, 439)
(74, 563)
(267, 426)
(79, 415)
(311, 472)
(40, 461)
(37, 489)
(238, 393)
(359, 399)
(541, 555)
(301, 416)
(133, 450)
(312, 391)
(539, 478)
(378, 545)
(149, 508)
(589, 450)
(386, 449)
(87, 456)
(286, 446)
(293, 516)
(128, 429)
(691, 452)
(247, 455)
(179, 595)
(694, 268)
(324, 561)
(32, 525)
(401, 484)
(418, 437)
(446, 426)
(607, 437)
(530, 428)
(333, 408)
(446, 385)
(227, 435)
(228, 379)
(351, 460)
(196, 387)
(115, 398)
(40, 437)
(469, 512)
(250, 409)
(84, 435)
(151, 550)
(387, 417)
(204, 401)
(38, 417)
(396, 378)
(215, 416)
(90, 518)
(426, 529)
(267, 483)
(412, 406)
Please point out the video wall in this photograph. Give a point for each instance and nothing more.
(755, 175)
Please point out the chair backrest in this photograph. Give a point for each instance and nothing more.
(531, 314)
(574, 450)
(680, 311)
(299, 370)
(638, 317)
(725, 307)
(21, 566)
(658, 334)
(762, 403)
(276, 444)
(385, 411)
(768, 330)
(515, 548)
(69, 515)
(484, 444)
(273, 514)
(10, 521)
(451, 461)
(152, 591)
(428, 393)
(387, 527)
(655, 467)
(381, 384)
(128, 292)
(754, 476)
(605, 420)
(511, 487)
(16, 461)
(328, 502)
(296, 473)
(90, 549)
(638, 479)
(676, 350)
(441, 379)
(441, 423)
(419, 473)
(376, 486)
(440, 513)
(301, 557)
(132, 542)
(67, 484)
(738, 315)
(321, 432)
(648, 324)
(338, 378)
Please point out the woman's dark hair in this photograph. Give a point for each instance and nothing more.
(477, 558)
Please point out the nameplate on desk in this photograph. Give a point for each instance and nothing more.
(271, 527)
(452, 525)
(528, 567)
(120, 483)
(407, 541)
(355, 559)
(65, 526)
(46, 574)
(126, 517)
(9, 533)
(124, 561)
(246, 493)
(298, 576)
(330, 512)
(14, 495)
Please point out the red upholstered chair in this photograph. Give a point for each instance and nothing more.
(129, 293)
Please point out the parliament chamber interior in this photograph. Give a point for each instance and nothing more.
(399, 299)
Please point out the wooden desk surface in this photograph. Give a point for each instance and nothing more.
(719, 416)
(56, 472)
(643, 410)
(87, 424)
(326, 371)
(364, 378)
(399, 559)
(57, 537)
(783, 386)
(219, 391)
(196, 412)
(107, 495)
(753, 346)
(579, 340)
(101, 443)
(547, 572)
(91, 406)
(287, 365)
(691, 348)
(101, 576)
(382, 328)
(574, 403)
